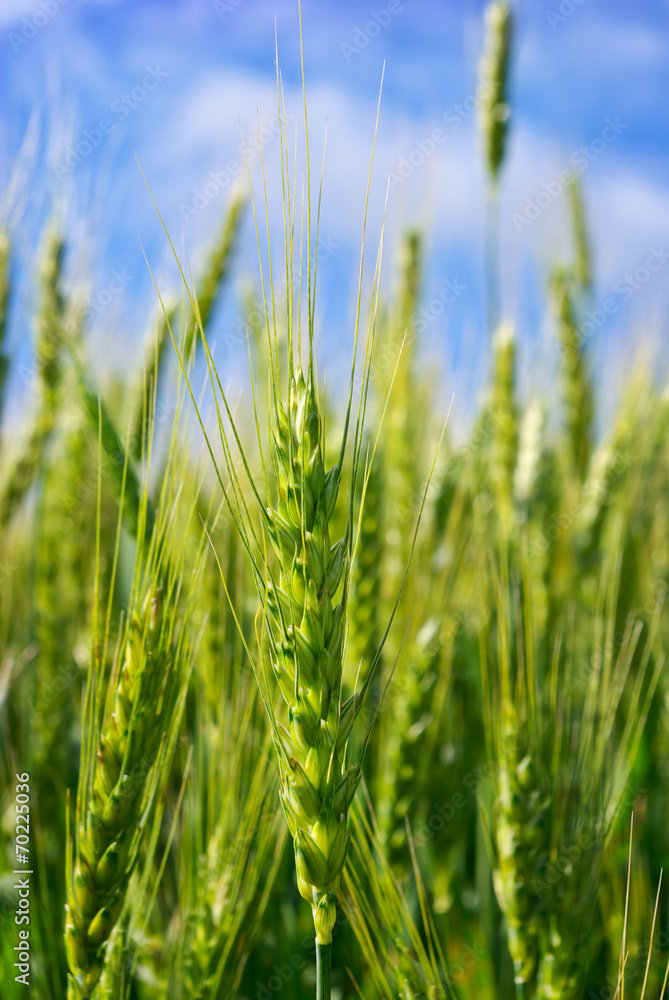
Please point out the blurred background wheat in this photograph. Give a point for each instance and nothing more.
(500, 585)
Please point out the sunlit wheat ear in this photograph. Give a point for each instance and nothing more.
(494, 108)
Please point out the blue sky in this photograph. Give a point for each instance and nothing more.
(593, 74)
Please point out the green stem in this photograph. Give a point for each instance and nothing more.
(323, 967)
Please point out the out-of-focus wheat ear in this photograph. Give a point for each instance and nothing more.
(582, 259)
(64, 548)
(5, 288)
(217, 268)
(146, 384)
(131, 720)
(494, 113)
(49, 329)
(407, 741)
(494, 81)
(520, 814)
(411, 265)
(408, 406)
(577, 381)
(504, 416)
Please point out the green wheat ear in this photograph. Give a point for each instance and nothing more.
(494, 111)
(304, 576)
(577, 382)
(306, 648)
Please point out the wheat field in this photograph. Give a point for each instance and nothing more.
(302, 693)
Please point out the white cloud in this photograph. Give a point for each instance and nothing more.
(12, 12)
